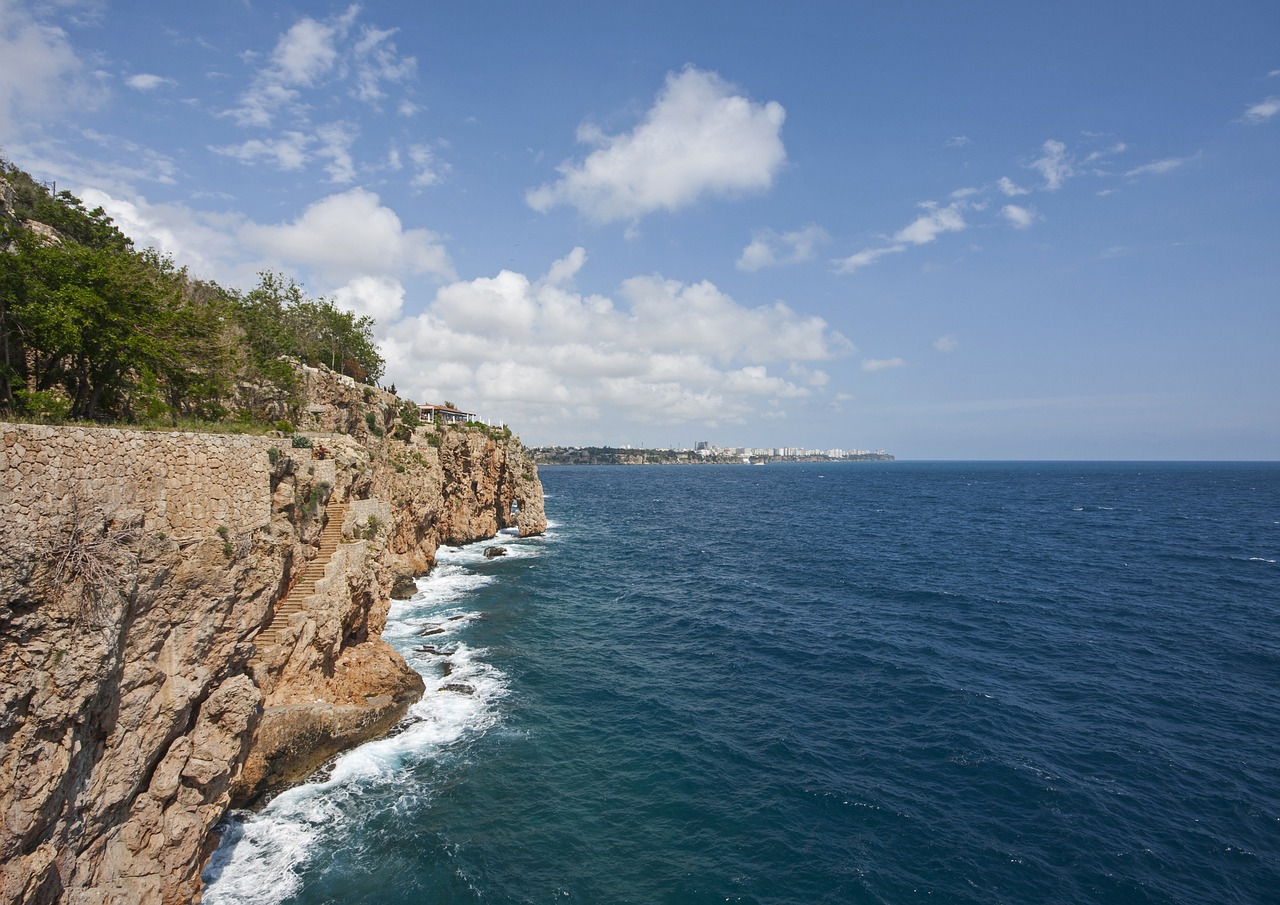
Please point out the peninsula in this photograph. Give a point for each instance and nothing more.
(702, 454)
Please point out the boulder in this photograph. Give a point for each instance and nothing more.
(403, 587)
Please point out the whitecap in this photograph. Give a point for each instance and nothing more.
(262, 855)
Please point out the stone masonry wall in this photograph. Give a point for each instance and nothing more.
(183, 484)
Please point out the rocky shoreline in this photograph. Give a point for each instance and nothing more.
(148, 682)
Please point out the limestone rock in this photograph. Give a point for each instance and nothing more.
(141, 697)
(403, 587)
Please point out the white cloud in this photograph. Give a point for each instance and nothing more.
(377, 62)
(935, 222)
(380, 298)
(146, 81)
(315, 53)
(863, 258)
(1054, 166)
(427, 169)
(40, 75)
(664, 352)
(699, 139)
(306, 51)
(871, 365)
(957, 141)
(924, 229)
(352, 234)
(945, 343)
(1262, 111)
(1158, 167)
(770, 249)
(565, 269)
(1010, 188)
(699, 317)
(287, 152)
(204, 242)
(1019, 217)
(336, 140)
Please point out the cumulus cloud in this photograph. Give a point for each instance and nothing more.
(1019, 217)
(770, 249)
(41, 74)
(380, 298)
(204, 242)
(871, 365)
(1262, 111)
(945, 343)
(352, 234)
(700, 139)
(661, 351)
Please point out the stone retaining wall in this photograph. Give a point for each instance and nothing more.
(184, 484)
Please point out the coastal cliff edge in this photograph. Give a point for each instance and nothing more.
(151, 675)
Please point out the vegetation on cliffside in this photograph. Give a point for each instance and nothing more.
(93, 329)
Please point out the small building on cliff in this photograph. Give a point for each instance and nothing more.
(446, 414)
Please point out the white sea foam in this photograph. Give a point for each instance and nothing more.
(262, 854)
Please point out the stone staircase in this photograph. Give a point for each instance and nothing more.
(295, 600)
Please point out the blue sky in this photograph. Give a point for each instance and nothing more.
(979, 230)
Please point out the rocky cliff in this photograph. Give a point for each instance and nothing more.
(179, 631)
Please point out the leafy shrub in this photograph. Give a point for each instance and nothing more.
(273, 455)
(43, 405)
(284, 427)
(409, 414)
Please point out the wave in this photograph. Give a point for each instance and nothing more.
(263, 855)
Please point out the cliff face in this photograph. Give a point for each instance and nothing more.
(149, 673)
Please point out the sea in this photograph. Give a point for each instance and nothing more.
(898, 682)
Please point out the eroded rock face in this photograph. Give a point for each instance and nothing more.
(134, 703)
(126, 712)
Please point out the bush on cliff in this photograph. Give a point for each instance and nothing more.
(90, 328)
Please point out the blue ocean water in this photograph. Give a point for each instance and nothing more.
(855, 683)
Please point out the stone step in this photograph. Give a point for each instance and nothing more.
(314, 571)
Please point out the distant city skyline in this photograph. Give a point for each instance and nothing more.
(950, 231)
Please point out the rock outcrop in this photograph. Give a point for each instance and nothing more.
(136, 573)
